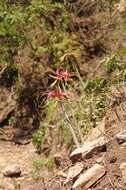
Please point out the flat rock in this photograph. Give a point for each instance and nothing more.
(89, 177)
(100, 159)
(123, 170)
(74, 171)
(62, 174)
(89, 147)
(121, 137)
(98, 131)
(12, 170)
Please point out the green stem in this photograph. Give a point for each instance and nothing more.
(79, 76)
(70, 127)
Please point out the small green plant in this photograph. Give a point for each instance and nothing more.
(38, 139)
(95, 85)
(99, 108)
(49, 162)
(122, 51)
(38, 164)
(35, 175)
(51, 106)
(66, 133)
(111, 64)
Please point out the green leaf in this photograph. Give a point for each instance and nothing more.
(122, 51)
(2, 30)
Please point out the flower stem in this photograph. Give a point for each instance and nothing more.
(70, 127)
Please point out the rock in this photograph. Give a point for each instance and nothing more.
(123, 145)
(123, 170)
(89, 147)
(61, 174)
(121, 137)
(74, 171)
(89, 177)
(97, 132)
(12, 171)
(100, 159)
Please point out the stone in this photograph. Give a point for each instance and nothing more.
(98, 131)
(74, 171)
(62, 174)
(12, 171)
(123, 145)
(87, 179)
(100, 159)
(121, 137)
(123, 170)
(89, 147)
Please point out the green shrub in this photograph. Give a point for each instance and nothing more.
(95, 85)
(112, 64)
(38, 139)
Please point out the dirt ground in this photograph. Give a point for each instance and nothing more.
(30, 179)
(115, 119)
(23, 156)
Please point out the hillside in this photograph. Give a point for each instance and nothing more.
(63, 74)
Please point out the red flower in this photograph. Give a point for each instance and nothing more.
(57, 75)
(54, 94)
(61, 75)
(66, 75)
